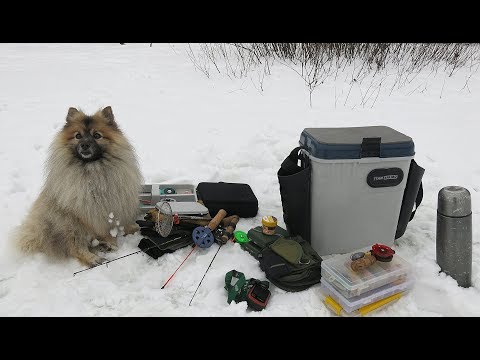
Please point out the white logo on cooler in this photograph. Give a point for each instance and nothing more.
(385, 177)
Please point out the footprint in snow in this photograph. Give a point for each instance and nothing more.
(4, 290)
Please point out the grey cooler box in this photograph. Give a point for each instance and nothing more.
(358, 180)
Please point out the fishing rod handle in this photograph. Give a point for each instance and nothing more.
(230, 228)
(212, 225)
(227, 220)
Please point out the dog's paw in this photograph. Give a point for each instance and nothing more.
(107, 247)
(131, 229)
(91, 260)
(97, 260)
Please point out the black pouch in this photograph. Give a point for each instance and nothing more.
(412, 195)
(273, 265)
(291, 268)
(258, 294)
(294, 183)
(155, 246)
(234, 198)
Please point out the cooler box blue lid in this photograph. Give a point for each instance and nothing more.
(356, 142)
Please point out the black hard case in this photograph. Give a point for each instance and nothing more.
(234, 198)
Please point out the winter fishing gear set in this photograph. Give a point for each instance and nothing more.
(346, 195)
(169, 230)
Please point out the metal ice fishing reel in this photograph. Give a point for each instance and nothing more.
(218, 233)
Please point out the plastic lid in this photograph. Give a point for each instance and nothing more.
(241, 237)
(270, 221)
(346, 142)
(337, 271)
(454, 201)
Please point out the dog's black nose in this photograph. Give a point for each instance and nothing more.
(85, 146)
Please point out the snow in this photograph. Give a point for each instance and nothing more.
(188, 128)
(114, 232)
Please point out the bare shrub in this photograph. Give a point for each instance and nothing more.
(317, 62)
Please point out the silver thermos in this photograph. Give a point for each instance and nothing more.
(454, 234)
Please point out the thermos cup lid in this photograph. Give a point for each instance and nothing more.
(454, 201)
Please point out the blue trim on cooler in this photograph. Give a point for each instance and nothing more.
(352, 151)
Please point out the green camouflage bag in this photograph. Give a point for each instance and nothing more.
(259, 240)
(289, 262)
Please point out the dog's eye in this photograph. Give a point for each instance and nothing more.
(97, 135)
(78, 136)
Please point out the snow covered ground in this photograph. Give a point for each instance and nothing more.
(188, 128)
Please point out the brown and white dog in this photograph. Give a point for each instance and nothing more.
(91, 189)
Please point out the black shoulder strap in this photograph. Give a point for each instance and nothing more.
(418, 200)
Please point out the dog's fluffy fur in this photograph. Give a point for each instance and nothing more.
(91, 173)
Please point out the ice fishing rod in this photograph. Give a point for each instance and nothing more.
(227, 235)
(202, 237)
(109, 261)
(198, 287)
(121, 257)
(171, 276)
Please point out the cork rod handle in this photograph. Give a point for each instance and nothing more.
(212, 225)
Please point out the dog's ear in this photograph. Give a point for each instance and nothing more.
(108, 114)
(71, 113)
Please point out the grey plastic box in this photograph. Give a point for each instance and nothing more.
(357, 183)
(151, 194)
(352, 304)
